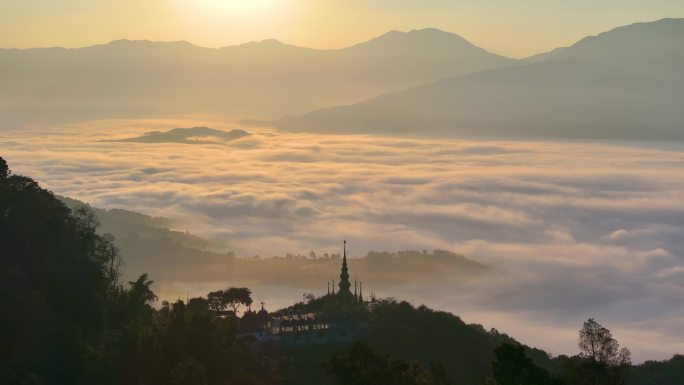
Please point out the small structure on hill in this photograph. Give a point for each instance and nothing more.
(333, 317)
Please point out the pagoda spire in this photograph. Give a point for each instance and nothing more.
(344, 275)
(360, 291)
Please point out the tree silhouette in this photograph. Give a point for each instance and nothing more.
(108, 255)
(233, 298)
(140, 290)
(604, 362)
(4, 169)
(597, 343)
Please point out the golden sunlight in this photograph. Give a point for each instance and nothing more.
(243, 7)
(216, 22)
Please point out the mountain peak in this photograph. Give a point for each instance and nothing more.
(432, 32)
(266, 44)
(426, 38)
(274, 42)
(423, 32)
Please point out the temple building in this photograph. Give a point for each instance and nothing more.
(344, 291)
(344, 275)
(335, 318)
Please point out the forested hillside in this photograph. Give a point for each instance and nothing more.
(67, 318)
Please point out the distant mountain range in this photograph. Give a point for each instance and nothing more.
(627, 83)
(259, 79)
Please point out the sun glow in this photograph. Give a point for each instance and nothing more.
(225, 22)
(239, 6)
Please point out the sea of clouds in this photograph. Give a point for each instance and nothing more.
(572, 230)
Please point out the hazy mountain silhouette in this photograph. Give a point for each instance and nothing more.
(151, 244)
(622, 84)
(188, 136)
(260, 79)
(125, 223)
(420, 56)
(648, 49)
(545, 56)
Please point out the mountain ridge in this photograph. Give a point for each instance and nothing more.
(615, 90)
(268, 78)
(397, 33)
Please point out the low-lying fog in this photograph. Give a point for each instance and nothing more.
(571, 230)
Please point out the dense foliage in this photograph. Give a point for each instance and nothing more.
(360, 365)
(670, 372)
(513, 367)
(413, 335)
(55, 286)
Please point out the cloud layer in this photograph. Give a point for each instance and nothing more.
(573, 230)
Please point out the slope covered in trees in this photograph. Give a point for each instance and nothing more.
(434, 339)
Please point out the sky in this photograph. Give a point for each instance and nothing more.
(512, 28)
(573, 230)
